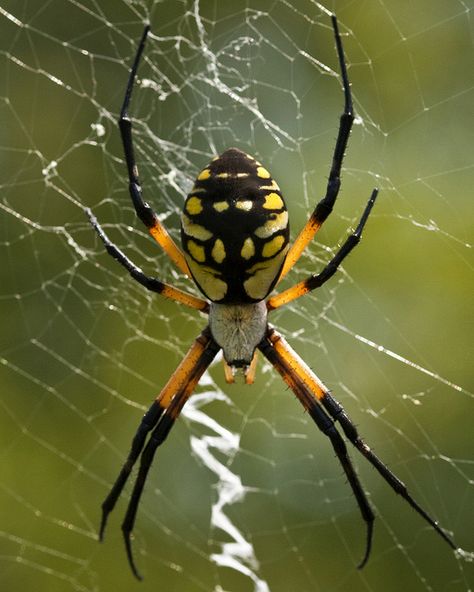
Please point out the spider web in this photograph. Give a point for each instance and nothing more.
(246, 493)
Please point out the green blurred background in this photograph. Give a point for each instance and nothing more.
(84, 350)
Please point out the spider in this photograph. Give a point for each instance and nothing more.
(235, 246)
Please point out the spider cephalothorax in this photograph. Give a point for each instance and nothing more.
(235, 237)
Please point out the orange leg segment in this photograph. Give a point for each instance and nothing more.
(296, 291)
(293, 365)
(186, 376)
(151, 283)
(300, 244)
(178, 295)
(163, 238)
(317, 280)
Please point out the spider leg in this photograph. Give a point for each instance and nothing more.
(142, 208)
(286, 362)
(149, 421)
(190, 371)
(317, 280)
(159, 418)
(337, 412)
(325, 206)
(150, 283)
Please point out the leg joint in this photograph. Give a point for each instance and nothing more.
(142, 208)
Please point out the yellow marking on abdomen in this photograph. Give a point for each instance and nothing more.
(274, 224)
(218, 251)
(273, 187)
(204, 174)
(212, 286)
(223, 175)
(195, 230)
(194, 206)
(248, 249)
(198, 190)
(196, 251)
(273, 201)
(244, 204)
(262, 276)
(273, 246)
(263, 173)
(220, 206)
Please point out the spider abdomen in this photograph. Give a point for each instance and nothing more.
(234, 229)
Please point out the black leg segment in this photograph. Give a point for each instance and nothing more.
(316, 281)
(324, 207)
(338, 413)
(149, 421)
(143, 209)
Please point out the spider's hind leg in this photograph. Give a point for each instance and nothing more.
(149, 421)
(338, 413)
(160, 418)
(295, 373)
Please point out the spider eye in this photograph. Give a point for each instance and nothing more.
(234, 229)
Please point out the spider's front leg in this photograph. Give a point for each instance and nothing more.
(325, 205)
(158, 420)
(143, 209)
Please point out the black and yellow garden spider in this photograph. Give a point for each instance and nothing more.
(235, 246)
